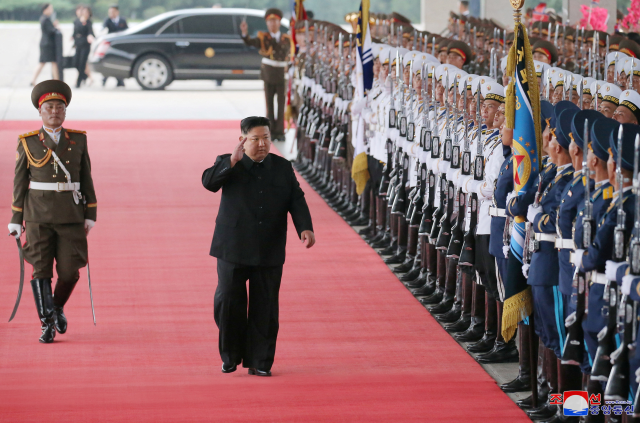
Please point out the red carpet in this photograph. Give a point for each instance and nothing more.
(354, 344)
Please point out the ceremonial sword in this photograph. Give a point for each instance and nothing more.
(21, 254)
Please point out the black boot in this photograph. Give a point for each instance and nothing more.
(523, 381)
(491, 326)
(428, 287)
(441, 277)
(449, 288)
(503, 351)
(44, 305)
(398, 257)
(61, 296)
(594, 387)
(546, 410)
(542, 389)
(412, 275)
(466, 286)
(476, 327)
(569, 379)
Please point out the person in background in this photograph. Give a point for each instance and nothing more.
(82, 38)
(49, 27)
(114, 23)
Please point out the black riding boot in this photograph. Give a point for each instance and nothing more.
(44, 305)
(523, 381)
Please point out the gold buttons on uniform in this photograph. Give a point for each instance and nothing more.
(54, 176)
(69, 148)
(67, 162)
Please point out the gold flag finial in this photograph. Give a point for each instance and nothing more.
(517, 7)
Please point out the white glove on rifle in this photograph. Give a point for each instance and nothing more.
(88, 225)
(532, 212)
(505, 251)
(626, 284)
(611, 269)
(576, 259)
(525, 270)
(15, 228)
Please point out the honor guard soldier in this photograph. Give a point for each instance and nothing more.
(608, 99)
(275, 49)
(53, 195)
(629, 109)
(544, 268)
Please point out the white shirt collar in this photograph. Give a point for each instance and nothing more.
(276, 36)
(53, 133)
(116, 20)
(562, 168)
(601, 183)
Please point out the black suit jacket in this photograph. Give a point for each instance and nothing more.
(48, 32)
(112, 27)
(251, 227)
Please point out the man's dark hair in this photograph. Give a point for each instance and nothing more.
(114, 6)
(248, 123)
(44, 6)
(465, 3)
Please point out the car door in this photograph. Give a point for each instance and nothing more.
(208, 45)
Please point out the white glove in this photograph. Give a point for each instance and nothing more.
(88, 225)
(577, 258)
(505, 251)
(510, 196)
(626, 284)
(533, 212)
(17, 228)
(611, 269)
(525, 270)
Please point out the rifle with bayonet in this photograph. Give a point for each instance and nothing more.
(447, 141)
(573, 352)
(618, 383)
(601, 368)
(455, 149)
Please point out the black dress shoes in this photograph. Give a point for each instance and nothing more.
(473, 334)
(484, 345)
(411, 275)
(545, 412)
(258, 372)
(502, 352)
(397, 258)
(519, 384)
(229, 369)
(60, 319)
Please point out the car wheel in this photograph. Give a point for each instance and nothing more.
(153, 72)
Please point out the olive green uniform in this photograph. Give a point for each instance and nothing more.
(279, 52)
(54, 223)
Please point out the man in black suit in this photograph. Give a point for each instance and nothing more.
(258, 191)
(115, 23)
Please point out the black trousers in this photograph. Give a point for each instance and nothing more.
(270, 91)
(82, 54)
(247, 337)
(486, 266)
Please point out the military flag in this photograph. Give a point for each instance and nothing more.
(523, 116)
(364, 82)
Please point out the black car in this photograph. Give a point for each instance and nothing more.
(183, 44)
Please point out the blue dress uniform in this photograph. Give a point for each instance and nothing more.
(595, 320)
(595, 257)
(544, 269)
(504, 185)
(518, 205)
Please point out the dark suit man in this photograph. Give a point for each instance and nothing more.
(258, 191)
(115, 23)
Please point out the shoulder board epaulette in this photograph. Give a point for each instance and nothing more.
(75, 131)
(607, 193)
(285, 35)
(29, 134)
(261, 34)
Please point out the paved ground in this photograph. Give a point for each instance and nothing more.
(182, 100)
